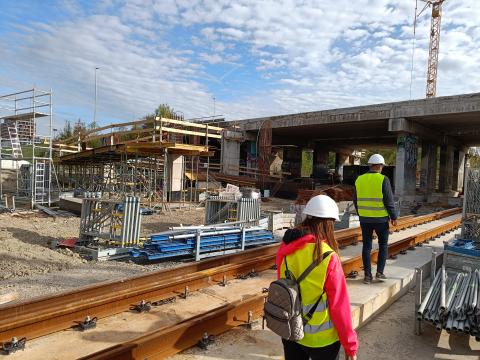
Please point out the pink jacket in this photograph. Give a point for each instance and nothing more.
(337, 294)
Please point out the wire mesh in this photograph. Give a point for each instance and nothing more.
(471, 211)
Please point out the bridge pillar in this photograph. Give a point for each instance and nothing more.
(458, 170)
(320, 162)
(340, 161)
(406, 165)
(230, 155)
(428, 173)
(446, 168)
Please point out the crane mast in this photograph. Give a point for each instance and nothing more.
(432, 68)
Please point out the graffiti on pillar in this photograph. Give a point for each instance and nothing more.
(423, 178)
(409, 143)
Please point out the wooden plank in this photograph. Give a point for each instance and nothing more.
(111, 126)
(188, 132)
(188, 123)
(116, 133)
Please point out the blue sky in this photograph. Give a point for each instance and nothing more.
(255, 57)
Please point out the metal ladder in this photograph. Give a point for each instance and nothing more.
(15, 141)
(39, 189)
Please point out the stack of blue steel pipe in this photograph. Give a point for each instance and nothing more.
(202, 242)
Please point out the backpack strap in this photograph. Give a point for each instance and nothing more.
(288, 273)
(307, 317)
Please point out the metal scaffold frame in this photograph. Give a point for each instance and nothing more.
(160, 164)
(23, 150)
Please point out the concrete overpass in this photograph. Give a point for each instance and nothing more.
(451, 123)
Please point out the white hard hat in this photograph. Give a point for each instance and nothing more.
(376, 159)
(322, 206)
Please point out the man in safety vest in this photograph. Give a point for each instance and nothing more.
(373, 200)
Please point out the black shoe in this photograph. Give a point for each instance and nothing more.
(367, 279)
(380, 276)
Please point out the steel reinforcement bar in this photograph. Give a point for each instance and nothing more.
(44, 315)
(167, 341)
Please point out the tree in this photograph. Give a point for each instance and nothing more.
(66, 132)
(164, 110)
(390, 155)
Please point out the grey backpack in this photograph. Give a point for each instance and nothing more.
(283, 308)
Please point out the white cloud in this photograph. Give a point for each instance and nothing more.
(211, 58)
(232, 33)
(353, 34)
(297, 48)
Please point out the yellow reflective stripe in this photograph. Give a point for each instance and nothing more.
(313, 329)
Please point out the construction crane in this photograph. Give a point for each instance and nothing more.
(432, 67)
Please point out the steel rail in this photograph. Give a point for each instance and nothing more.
(170, 340)
(44, 315)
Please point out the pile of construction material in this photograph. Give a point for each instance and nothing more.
(202, 241)
(233, 205)
(338, 193)
(116, 221)
(453, 302)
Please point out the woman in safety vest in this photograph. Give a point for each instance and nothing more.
(324, 287)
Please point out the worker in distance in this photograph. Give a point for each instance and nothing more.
(373, 200)
(309, 306)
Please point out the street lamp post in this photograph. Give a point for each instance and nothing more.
(214, 106)
(95, 105)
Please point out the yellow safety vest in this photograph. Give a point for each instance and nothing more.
(319, 331)
(370, 195)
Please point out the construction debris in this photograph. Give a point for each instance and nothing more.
(219, 209)
(338, 193)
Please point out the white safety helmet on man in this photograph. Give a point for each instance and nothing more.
(376, 159)
(322, 206)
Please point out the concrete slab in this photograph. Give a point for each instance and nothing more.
(352, 251)
(367, 301)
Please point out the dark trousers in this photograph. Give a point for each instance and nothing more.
(381, 229)
(295, 351)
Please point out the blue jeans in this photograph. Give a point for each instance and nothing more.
(381, 229)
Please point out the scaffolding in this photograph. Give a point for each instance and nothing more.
(157, 159)
(26, 127)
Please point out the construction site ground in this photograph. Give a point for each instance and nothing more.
(391, 333)
(30, 265)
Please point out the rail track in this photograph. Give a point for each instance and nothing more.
(41, 316)
(170, 340)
